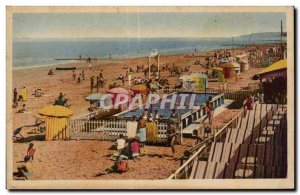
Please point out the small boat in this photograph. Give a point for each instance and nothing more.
(66, 68)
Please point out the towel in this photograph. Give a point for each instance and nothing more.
(142, 134)
(131, 129)
(151, 132)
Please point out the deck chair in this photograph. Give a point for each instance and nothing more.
(17, 134)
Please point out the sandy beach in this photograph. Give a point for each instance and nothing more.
(85, 159)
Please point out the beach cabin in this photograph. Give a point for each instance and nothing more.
(220, 74)
(243, 61)
(187, 82)
(57, 119)
(231, 69)
(194, 82)
(244, 65)
(201, 81)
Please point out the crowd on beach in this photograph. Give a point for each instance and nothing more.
(131, 147)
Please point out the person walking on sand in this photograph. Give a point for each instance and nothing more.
(82, 74)
(171, 135)
(74, 75)
(78, 79)
(15, 99)
(101, 74)
(123, 80)
(92, 83)
(209, 110)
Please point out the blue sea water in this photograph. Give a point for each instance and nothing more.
(41, 52)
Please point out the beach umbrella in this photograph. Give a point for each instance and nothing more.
(139, 88)
(94, 97)
(153, 86)
(118, 90)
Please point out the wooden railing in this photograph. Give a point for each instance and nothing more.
(196, 151)
(184, 171)
(90, 115)
(189, 117)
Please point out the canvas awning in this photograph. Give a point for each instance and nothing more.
(282, 64)
(278, 69)
(56, 111)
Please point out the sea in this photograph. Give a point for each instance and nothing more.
(45, 52)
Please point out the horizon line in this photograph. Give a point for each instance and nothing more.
(27, 38)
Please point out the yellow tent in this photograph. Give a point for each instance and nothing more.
(282, 64)
(57, 119)
(24, 93)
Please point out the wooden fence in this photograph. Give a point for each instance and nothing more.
(106, 129)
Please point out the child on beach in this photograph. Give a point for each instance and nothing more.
(30, 151)
(209, 110)
(25, 169)
(120, 143)
(23, 109)
(78, 79)
(135, 148)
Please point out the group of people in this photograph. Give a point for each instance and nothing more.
(97, 82)
(20, 98)
(80, 77)
(25, 167)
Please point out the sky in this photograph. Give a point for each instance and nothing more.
(143, 25)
